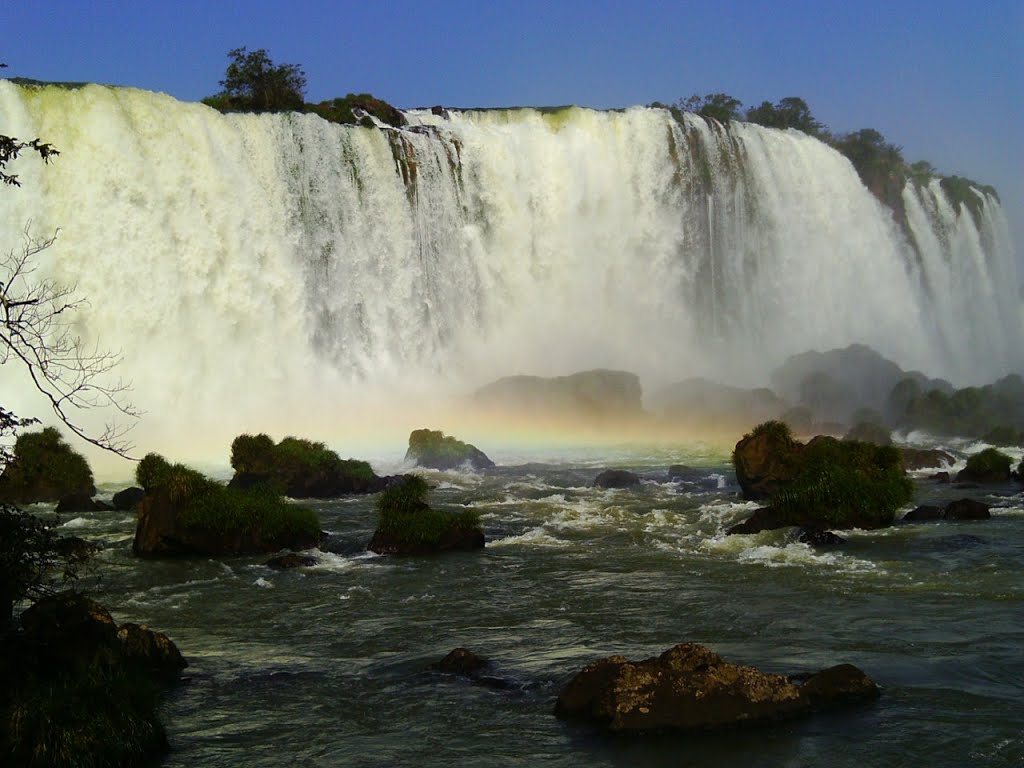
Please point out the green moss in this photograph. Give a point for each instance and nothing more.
(84, 720)
(990, 462)
(962, 193)
(44, 468)
(406, 517)
(845, 483)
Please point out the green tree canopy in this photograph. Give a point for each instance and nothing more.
(790, 112)
(254, 83)
(720, 106)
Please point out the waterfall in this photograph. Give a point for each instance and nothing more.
(249, 266)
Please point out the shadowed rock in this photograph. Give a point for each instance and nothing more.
(616, 478)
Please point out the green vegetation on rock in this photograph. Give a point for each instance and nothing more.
(990, 464)
(845, 484)
(407, 519)
(301, 468)
(44, 468)
(432, 448)
(206, 505)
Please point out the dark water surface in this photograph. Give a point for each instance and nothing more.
(327, 666)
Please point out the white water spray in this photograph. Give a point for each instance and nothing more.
(265, 271)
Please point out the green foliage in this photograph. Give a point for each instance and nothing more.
(777, 429)
(990, 462)
(83, 720)
(406, 517)
(961, 193)
(207, 505)
(845, 483)
(34, 560)
(293, 459)
(719, 106)
(253, 83)
(44, 468)
(874, 160)
(996, 409)
(790, 112)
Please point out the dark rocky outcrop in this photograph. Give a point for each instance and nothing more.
(80, 502)
(922, 513)
(616, 478)
(939, 477)
(127, 499)
(763, 519)
(966, 509)
(766, 460)
(678, 472)
(463, 663)
(431, 448)
(961, 509)
(290, 560)
(689, 687)
(816, 537)
(594, 397)
(83, 687)
(925, 458)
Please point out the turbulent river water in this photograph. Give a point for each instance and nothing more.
(327, 666)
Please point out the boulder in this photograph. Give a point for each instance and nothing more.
(966, 509)
(678, 472)
(939, 477)
(431, 448)
(766, 460)
(464, 663)
(408, 526)
(290, 560)
(70, 631)
(816, 537)
(452, 540)
(128, 499)
(689, 687)
(80, 502)
(922, 513)
(152, 652)
(616, 478)
(926, 458)
(763, 519)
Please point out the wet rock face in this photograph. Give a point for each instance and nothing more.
(690, 687)
(616, 478)
(765, 463)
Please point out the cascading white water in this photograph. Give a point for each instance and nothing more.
(254, 268)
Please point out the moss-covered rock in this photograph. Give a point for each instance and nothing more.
(299, 468)
(44, 468)
(988, 466)
(407, 525)
(79, 690)
(689, 688)
(430, 448)
(185, 513)
(824, 484)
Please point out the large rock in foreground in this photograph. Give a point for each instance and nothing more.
(689, 687)
(431, 448)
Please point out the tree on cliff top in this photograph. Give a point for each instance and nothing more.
(253, 83)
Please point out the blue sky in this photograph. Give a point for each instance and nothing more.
(943, 80)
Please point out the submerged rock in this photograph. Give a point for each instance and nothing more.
(616, 478)
(926, 458)
(962, 509)
(689, 687)
(290, 560)
(431, 448)
(462, 662)
(816, 537)
(127, 499)
(80, 502)
(923, 512)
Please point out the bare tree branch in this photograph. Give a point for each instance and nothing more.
(35, 329)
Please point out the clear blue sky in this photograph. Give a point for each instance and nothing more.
(941, 79)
